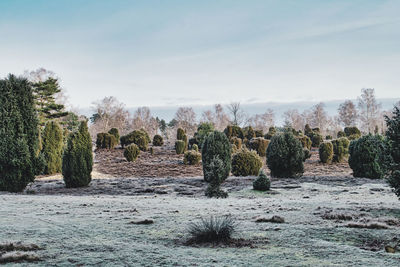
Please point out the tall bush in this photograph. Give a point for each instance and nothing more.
(326, 152)
(180, 146)
(131, 152)
(233, 131)
(53, 144)
(393, 136)
(340, 149)
(77, 161)
(285, 156)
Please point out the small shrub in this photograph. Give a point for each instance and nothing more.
(305, 141)
(202, 131)
(237, 142)
(249, 132)
(328, 137)
(316, 139)
(271, 133)
(216, 171)
(191, 157)
(340, 149)
(138, 137)
(131, 152)
(77, 160)
(341, 134)
(367, 156)
(262, 183)
(217, 145)
(326, 152)
(307, 154)
(352, 131)
(105, 140)
(260, 145)
(245, 163)
(195, 148)
(158, 140)
(193, 141)
(52, 147)
(213, 229)
(233, 131)
(259, 133)
(151, 150)
(180, 146)
(285, 156)
(115, 133)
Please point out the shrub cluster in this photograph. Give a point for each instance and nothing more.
(248, 132)
(341, 134)
(180, 146)
(326, 152)
(340, 149)
(234, 131)
(202, 131)
(158, 140)
(316, 140)
(78, 158)
(191, 157)
(138, 137)
(314, 135)
(131, 152)
(245, 163)
(260, 145)
(367, 156)
(393, 136)
(106, 140)
(52, 147)
(271, 133)
(115, 133)
(285, 156)
(259, 133)
(349, 131)
(262, 183)
(237, 142)
(305, 141)
(195, 147)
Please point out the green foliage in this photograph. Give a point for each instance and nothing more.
(262, 183)
(216, 145)
(326, 152)
(180, 134)
(260, 145)
(393, 162)
(180, 146)
(316, 140)
(202, 131)
(237, 142)
(271, 133)
(308, 131)
(233, 131)
(328, 137)
(285, 156)
(106, 140)
(195, 148)
(307, 154)
(115, 133)
(158, 140)
(259, 133)
(352, 131)
(77, 161)
(52, 150)
(367, 156)
(138, 137)
(305, 141)
(340, 149)
(191, 157)
(341, 134)
(131, 152)
(249, 132)
(216, 171)
(353, 137)
(245, 163)
(19, 136)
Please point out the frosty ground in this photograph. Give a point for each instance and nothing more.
(331, 219)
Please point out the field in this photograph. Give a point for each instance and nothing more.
(330, 218)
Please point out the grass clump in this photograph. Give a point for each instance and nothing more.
(212, 230)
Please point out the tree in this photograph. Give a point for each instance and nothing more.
(347, 113)
(262, 121)
(238, 117)
(142, 119)
(319, 117)
(218, 118)
(393, 136)
(294, 119)
(369, 109)
(186, 119)
(19, 136)
(52, 137)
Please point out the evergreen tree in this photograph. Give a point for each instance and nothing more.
(77, 161)
(52, 147)
(45, 100)
(19, 139)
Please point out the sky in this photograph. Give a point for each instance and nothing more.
(181, 53)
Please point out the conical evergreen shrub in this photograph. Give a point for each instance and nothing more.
(52, 141)
(78, 158)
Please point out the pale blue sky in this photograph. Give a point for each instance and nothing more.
(158, 53)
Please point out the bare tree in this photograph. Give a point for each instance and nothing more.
(319, 117)
(218, 118)
(347, 113)
(186, 119)
(238, 117)
(369, 109)
(142, 119)
(294, 119)
(262, 121)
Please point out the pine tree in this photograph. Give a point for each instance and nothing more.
(18, 134)
(52, 147)
(45, 100)
(77, 161)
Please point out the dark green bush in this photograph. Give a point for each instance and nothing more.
(367, 156)
(353, 137)
(202, 131)
(340, 149)
(341, 134)
(195, 148)
(193, 141)
(180, 134)
(180, 146)
(78, 158)
(191, 157)
(115, 133)
(217, 145)
(262, 183)
(233, 131)
(326, 152)
(316, 140)
(249, 132)
(260, 145)
(259, 133)
(305, 141)
(131, 152)
(19, 136)
(271, 133)
(328, 137)
(158, 140)
(138, 137)
(106, 140)
(393, 162)
(352, 131)
(245, 163)
(216, 171)
(285, 156)
(307, 154)
(53, 144)
(308, 131)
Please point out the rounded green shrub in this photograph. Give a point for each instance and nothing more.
(180, 146)
(138, 137)
(115, 133)
(260, 145)
(237, 142)
(285, 156)
(233, 131)
(341, 134)
(352, 131)
(106, 140)
(52, 147)
(367, 156)
(340, 149)
(195, 147)
(131, 152)
(305, 141)
(158, 140)
(245, 163)
(262, 183)
(216, 145)
(326, 152)
(77, 161)
(316, 139)
(191, 157)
